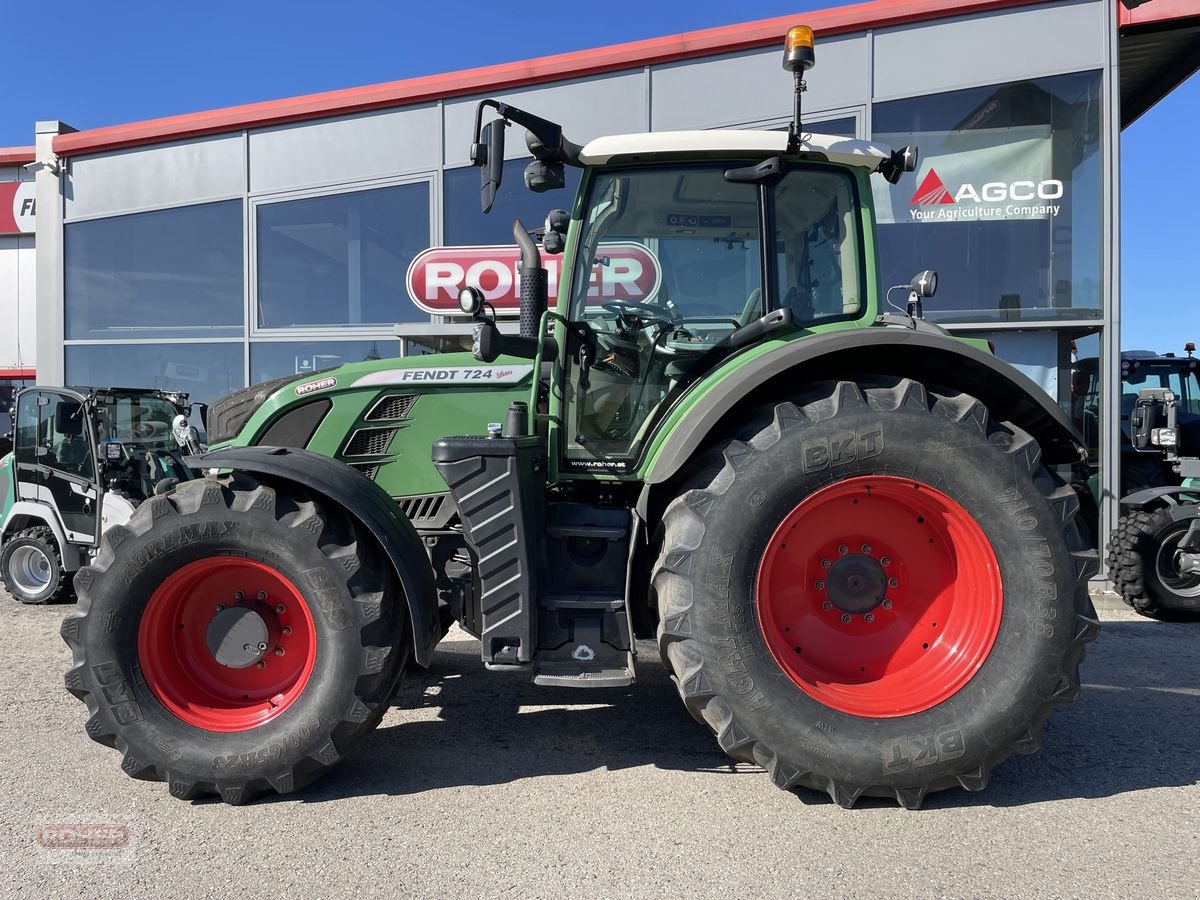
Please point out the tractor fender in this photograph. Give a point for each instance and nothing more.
(366, 502)
(1156, 495)
(24, 511)
(925, 356)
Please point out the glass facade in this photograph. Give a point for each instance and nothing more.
(274, 359)
(171, 273)
(340, 259)
(205, 370)
(1005, 203)
(462, 222)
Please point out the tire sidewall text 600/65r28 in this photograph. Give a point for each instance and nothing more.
(338, 627)
(992, 587)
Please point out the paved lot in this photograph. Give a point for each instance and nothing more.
(482, 785)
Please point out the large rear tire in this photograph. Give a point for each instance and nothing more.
(879, 592)
(235, 638)
(1141, 562)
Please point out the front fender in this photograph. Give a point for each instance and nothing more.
(921, 355)
(1153, 496)
(366, 502)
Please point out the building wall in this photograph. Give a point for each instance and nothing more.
(18, 295)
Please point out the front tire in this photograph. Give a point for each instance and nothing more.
(1141, 562)
(235, 639)
(909, 507)
(31, 567)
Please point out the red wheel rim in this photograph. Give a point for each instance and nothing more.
(185, 675)
(879, 596)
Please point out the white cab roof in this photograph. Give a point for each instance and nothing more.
(729, 142)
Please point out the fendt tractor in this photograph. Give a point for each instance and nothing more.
(1153, 554)
(843, 526)
(82, 460)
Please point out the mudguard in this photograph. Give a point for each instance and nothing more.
(1152, 496)
(369, 504)
(43, 515)
(922, 355)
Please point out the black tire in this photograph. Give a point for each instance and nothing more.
(705, 582)
(359, 624)
(1138, 569)
(29, 553)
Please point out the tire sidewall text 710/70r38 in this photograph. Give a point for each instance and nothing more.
(722, 532)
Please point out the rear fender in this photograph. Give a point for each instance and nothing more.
(923, 356)
(1159, 496)
(367, 503)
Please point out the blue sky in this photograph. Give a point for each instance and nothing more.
(120, 62)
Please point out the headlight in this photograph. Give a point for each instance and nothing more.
(1164, 437)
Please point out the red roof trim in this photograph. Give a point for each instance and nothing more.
(16, 156)
(729, 38)
(18, 374)
(1158, 12)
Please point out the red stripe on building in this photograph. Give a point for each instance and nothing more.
(507, 76)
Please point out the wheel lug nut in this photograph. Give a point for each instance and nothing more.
(238, 596)
(262, 595)
(220, 606)
(260, 665)
(868, 617)
(287, 629)
(893, 582)
(820, 585)
(825, 564)
(279, 651)
(278, 606)
(886, 561)
(846, 618)
(887, 604)
(866, 548)
(843, 549)
(827, 605)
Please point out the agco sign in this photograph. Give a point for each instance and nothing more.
(1022, 198)
(625, 271)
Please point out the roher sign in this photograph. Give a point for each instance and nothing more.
(624, 271)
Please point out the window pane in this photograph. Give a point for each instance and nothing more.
(170, 273)
(465, 225)
(341, 259)
(271, 359)
(205, 371)
(1005, 204)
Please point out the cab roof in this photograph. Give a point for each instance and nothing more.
(733, 143)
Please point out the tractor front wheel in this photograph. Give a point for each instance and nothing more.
(876, 592)
(1143, 562)
(235, 638)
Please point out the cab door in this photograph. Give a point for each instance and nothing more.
(56, 459)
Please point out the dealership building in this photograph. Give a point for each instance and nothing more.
(208, 251)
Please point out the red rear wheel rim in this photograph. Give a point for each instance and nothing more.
(183, 673)
(879, 596)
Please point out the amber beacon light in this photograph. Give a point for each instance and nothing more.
(798, 53)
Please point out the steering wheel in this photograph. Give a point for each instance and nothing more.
(631, 309)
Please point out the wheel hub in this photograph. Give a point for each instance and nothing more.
(856, 583)
(239, 637)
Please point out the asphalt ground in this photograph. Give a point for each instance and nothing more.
(481, 785)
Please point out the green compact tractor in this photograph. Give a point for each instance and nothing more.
(843, 527)
(1154, 553)
(81, 462)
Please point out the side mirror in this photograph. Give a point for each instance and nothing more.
(924, 284)
(68, 418)
(488, 154)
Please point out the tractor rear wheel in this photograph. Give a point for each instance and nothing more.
(1142, 565)
(878, 592)
(32, 569)
(235, 638)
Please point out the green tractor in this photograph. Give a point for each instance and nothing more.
(1154, 552)
(81, 461)
(843, 526)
